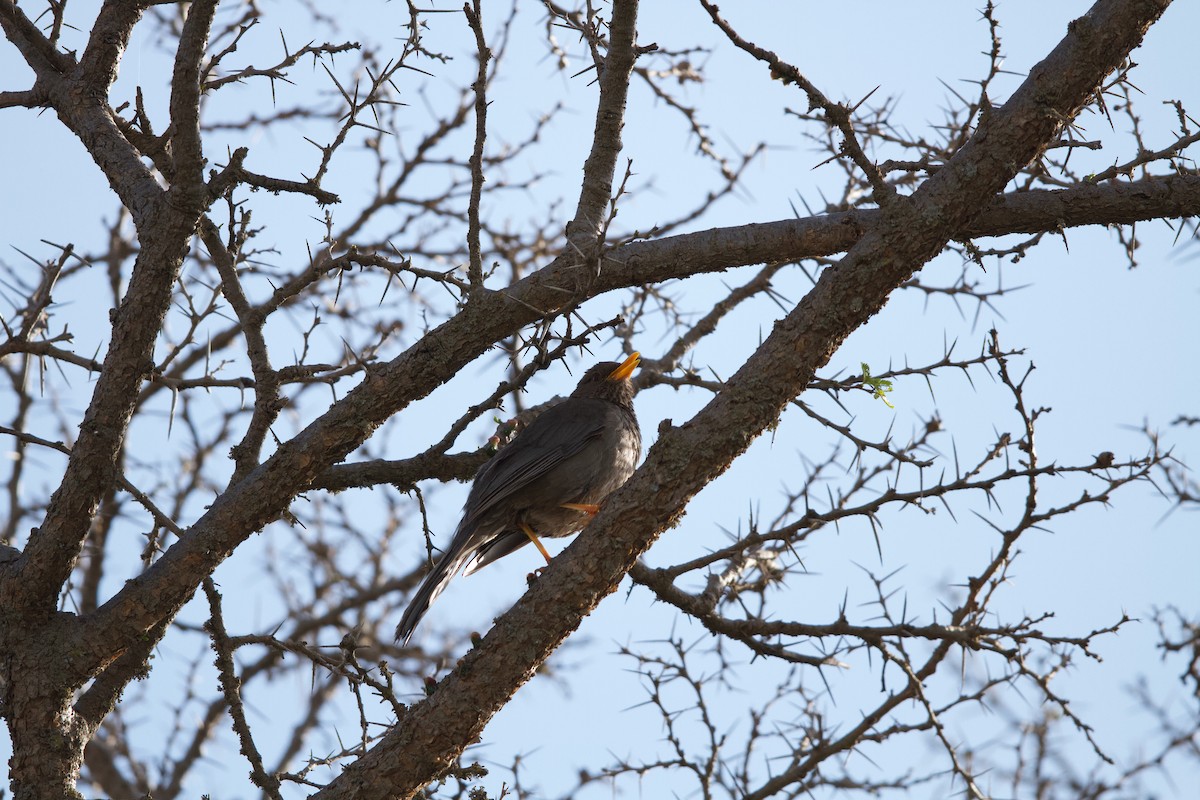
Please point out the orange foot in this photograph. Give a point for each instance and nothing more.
(536, 542)
(591, 509)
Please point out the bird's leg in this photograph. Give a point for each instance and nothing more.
(533, 538)
(591, 509)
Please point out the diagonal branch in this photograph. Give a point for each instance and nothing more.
(109, 37)
(46, 60)
(789, 240)
(166, 230)
(425, 742)
(441, 353)
(187, 150)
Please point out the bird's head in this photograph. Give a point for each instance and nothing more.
(609, 380)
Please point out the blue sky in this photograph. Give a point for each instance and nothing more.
(1114, 348)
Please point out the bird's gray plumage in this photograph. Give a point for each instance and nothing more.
(578, 451)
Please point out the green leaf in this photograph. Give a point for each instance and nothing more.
(879, 387)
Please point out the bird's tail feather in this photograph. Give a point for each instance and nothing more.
(433, 585)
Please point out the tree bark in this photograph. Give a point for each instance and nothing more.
(47, 657)
(427, 740)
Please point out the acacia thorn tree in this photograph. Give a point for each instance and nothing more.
(279, 277)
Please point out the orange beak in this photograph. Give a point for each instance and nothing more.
(627, 367)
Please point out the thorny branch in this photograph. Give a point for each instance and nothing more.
(212, 352)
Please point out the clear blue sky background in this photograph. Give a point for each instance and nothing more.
(1113, 347)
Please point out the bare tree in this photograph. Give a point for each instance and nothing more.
(247, 381)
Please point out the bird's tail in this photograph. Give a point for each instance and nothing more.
(433, 585)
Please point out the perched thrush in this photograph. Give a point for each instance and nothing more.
(548, 481)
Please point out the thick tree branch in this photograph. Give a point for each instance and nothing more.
(83, 107)
(92, 467)
(46, 61)
(793, 239)
(63, 674)
(106, 45)
(820, 236)
(470, 332)
(188, 153)
(424, 743)
(1175, 196)
(166, 232)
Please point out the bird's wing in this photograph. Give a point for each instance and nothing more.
(549, 440)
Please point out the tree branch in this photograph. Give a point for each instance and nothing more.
(188, 152)
(166, 230)
(97, 68)
(424, 743)
(601, 165)
(46, 60)
(444, 351)
(483, 56)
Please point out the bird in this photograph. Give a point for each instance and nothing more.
(548, 481)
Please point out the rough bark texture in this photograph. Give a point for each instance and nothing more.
(48, 656)
(685, 458)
